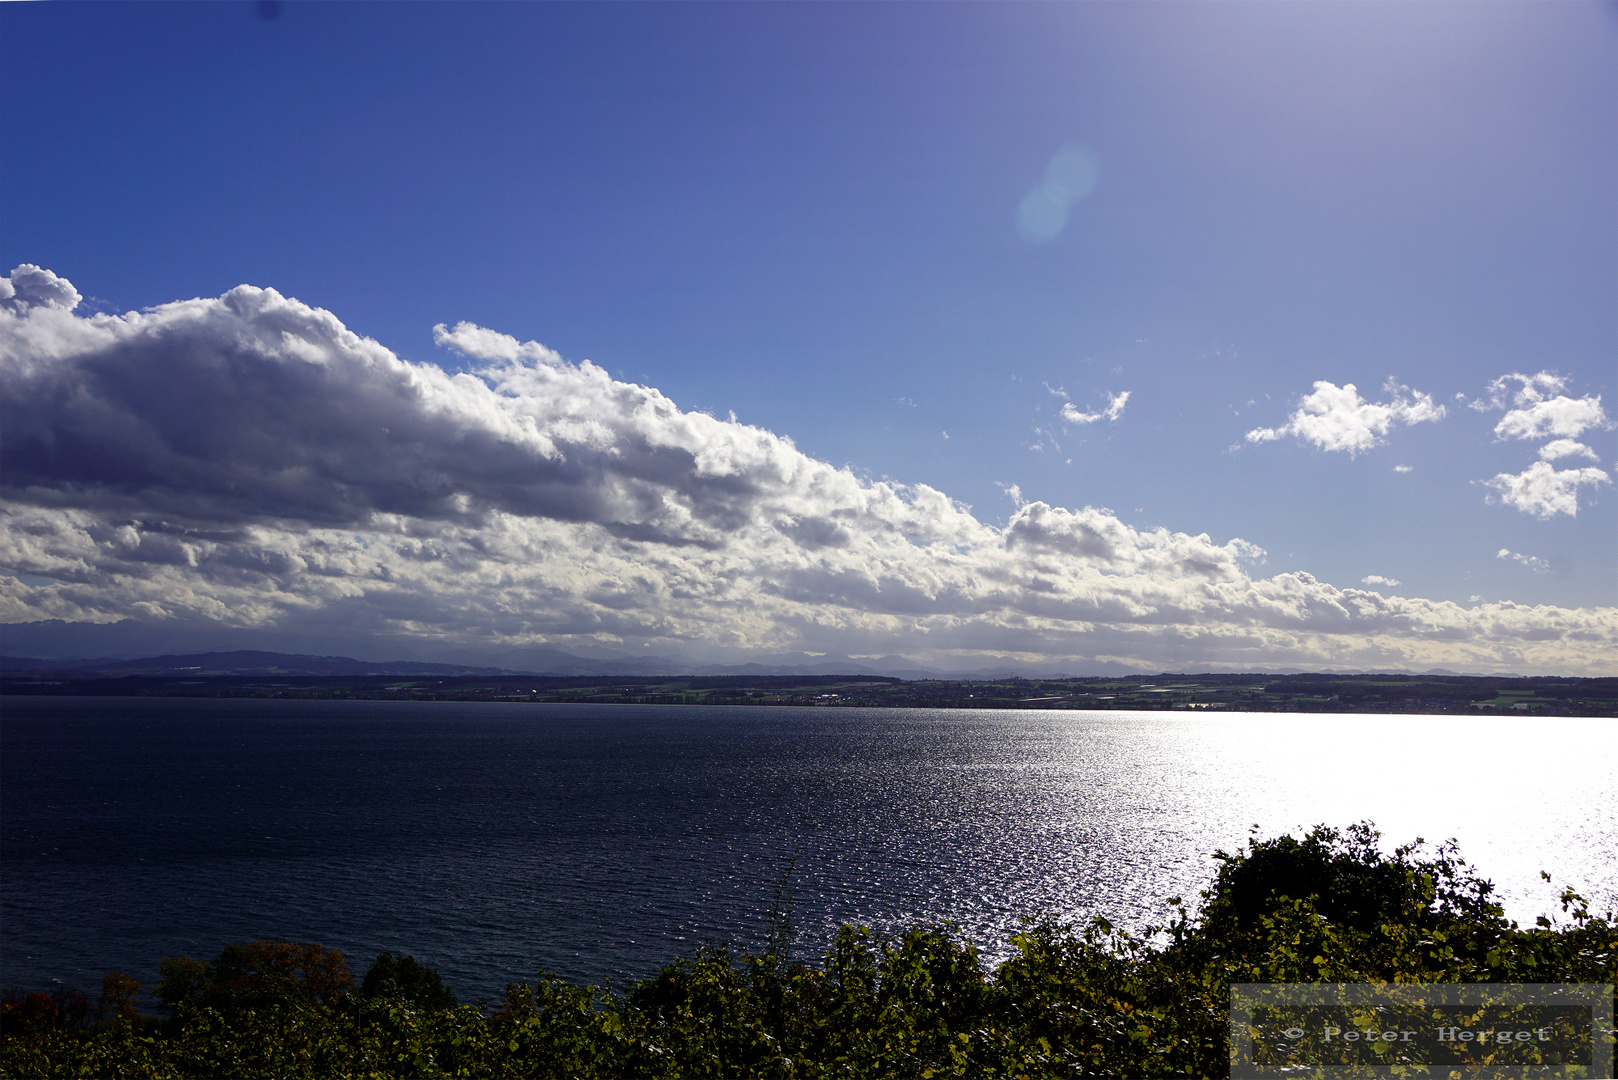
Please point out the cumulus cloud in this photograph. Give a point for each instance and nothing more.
(1561, 448)
(1378, 579)
(1336, 417)
(1404, 468)
(1543, 490)
(30, 286)
(1537, 565)
(1538, 407)
(1115, 408)
(247, 461)
(1561, 415)
(253, 408)
(1515, 388)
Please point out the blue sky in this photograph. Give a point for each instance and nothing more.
(906, 238)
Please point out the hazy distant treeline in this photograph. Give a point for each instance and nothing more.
(1441, 694)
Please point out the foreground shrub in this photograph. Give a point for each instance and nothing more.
(1070, 1002)
(402, 979)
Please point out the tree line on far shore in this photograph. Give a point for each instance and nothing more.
(1523, 696)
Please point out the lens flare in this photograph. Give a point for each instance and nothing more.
(1070, 176)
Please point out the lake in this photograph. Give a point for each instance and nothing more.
(597, 842)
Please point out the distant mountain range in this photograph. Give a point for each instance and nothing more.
(531, 661)
(538, 660)
(241, 662)
(151, 648)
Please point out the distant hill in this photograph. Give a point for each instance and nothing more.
(533, 660)
(546, 660)
(243, 662)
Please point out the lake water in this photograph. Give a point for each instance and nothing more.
(597, 842)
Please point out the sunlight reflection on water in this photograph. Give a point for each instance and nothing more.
(597, 841)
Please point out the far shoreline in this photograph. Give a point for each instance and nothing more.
(1475, 695)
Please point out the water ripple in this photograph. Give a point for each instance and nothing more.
(493, 841)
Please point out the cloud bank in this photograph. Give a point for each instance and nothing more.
(247, 461)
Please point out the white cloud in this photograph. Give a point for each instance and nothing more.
(249, 463)
(29, 286)
(1529, 389)
(1543, 490)
(484, 344)
(1044, 438)
(1336, 417)
(1378, 579)
(1540, 408)
(1404, 468)
(1562, 416)
(1114, 409)
(1537, 565)
(1562, 448)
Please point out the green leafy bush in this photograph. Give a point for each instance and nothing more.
(401, 978)
(1070, 1002)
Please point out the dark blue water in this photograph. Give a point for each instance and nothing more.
(598, 842)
